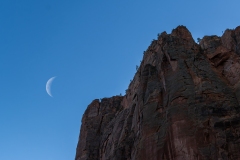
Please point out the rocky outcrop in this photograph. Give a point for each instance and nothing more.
(183, 103)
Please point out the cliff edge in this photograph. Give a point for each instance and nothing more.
(183, 103)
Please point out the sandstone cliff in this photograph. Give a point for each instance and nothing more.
(183, 103)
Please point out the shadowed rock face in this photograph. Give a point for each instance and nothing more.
(183, 103)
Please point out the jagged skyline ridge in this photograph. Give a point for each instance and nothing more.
(183, 103)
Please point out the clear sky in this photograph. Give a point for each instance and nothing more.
(93, 48)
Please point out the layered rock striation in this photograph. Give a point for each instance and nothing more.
(183, 103)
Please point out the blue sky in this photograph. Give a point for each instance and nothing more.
(93, 48)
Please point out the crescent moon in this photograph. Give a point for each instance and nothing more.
(48, 86)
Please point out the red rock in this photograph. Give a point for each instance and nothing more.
(183, 103)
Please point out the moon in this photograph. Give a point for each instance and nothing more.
(48, 86)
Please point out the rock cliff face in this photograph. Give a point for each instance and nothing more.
(183, 103)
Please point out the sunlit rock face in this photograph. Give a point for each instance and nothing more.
(183, 103)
